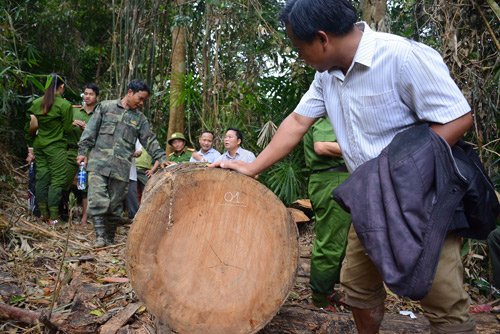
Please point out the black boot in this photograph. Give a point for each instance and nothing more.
(100, 232)
(111, 226)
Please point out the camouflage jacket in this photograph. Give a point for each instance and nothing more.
(110, 137)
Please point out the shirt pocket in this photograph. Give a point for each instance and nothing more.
(381, 113)
(108, 125)
(129, 134)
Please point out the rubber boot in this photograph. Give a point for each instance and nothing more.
(111, 226)
(100, 232)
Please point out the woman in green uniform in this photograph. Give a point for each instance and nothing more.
(48, 145)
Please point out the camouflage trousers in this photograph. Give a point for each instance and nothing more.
(106, 196)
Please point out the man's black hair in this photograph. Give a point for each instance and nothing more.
(92, 86)
(207, 131)
(306, 17)
(137, 85)
(239, 134)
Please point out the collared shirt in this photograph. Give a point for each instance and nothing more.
(79, 113)
(241, 154)
(184, 156)
(53, 126)
(144, 161)
(209, 156)
(393, 84)
(110, 136)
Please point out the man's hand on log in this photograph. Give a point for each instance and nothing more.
(239, 166)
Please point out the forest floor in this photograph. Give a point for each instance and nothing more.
(93, 293)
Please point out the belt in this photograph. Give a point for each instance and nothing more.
(341, 168)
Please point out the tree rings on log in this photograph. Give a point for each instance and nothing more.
(211, 250)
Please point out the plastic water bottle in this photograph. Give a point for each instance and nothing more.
(82, 176)
(32, 169)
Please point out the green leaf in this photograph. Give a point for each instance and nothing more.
(96, 312)
(49, 81)
(37, 83)
(16, 299)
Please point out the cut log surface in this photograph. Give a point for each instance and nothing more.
(211, 251)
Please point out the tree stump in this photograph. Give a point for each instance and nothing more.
(211, 251)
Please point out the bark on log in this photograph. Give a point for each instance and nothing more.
(211, 251)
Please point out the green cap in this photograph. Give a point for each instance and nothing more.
(176, 135)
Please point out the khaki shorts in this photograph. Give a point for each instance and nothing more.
(447, 302)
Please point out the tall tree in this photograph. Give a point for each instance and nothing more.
(178, 73)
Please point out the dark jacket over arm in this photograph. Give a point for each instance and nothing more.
(405, 201)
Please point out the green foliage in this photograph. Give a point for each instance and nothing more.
(287, 180)
(240, 69)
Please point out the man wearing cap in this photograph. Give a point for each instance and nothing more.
(181, 153)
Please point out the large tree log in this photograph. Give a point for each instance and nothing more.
(211, 251)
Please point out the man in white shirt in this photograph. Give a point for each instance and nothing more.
(232, 142)
(372, 86)
(206, 153)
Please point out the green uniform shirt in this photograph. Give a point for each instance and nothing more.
(144, 161)
(53, 126)
(110, 136)
(79, 114)
(320, 131)
(183, 157)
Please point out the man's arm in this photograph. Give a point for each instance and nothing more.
(454, 130)
(196, 157)
(328, 148)
(151, 171)
(89, 135)
(288, 135)
(148, 141)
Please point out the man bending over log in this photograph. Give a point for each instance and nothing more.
(110, 136)
(372, 86)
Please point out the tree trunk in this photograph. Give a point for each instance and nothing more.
(176, 121)
(373, 13)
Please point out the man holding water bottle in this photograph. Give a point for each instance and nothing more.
(110, 137)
